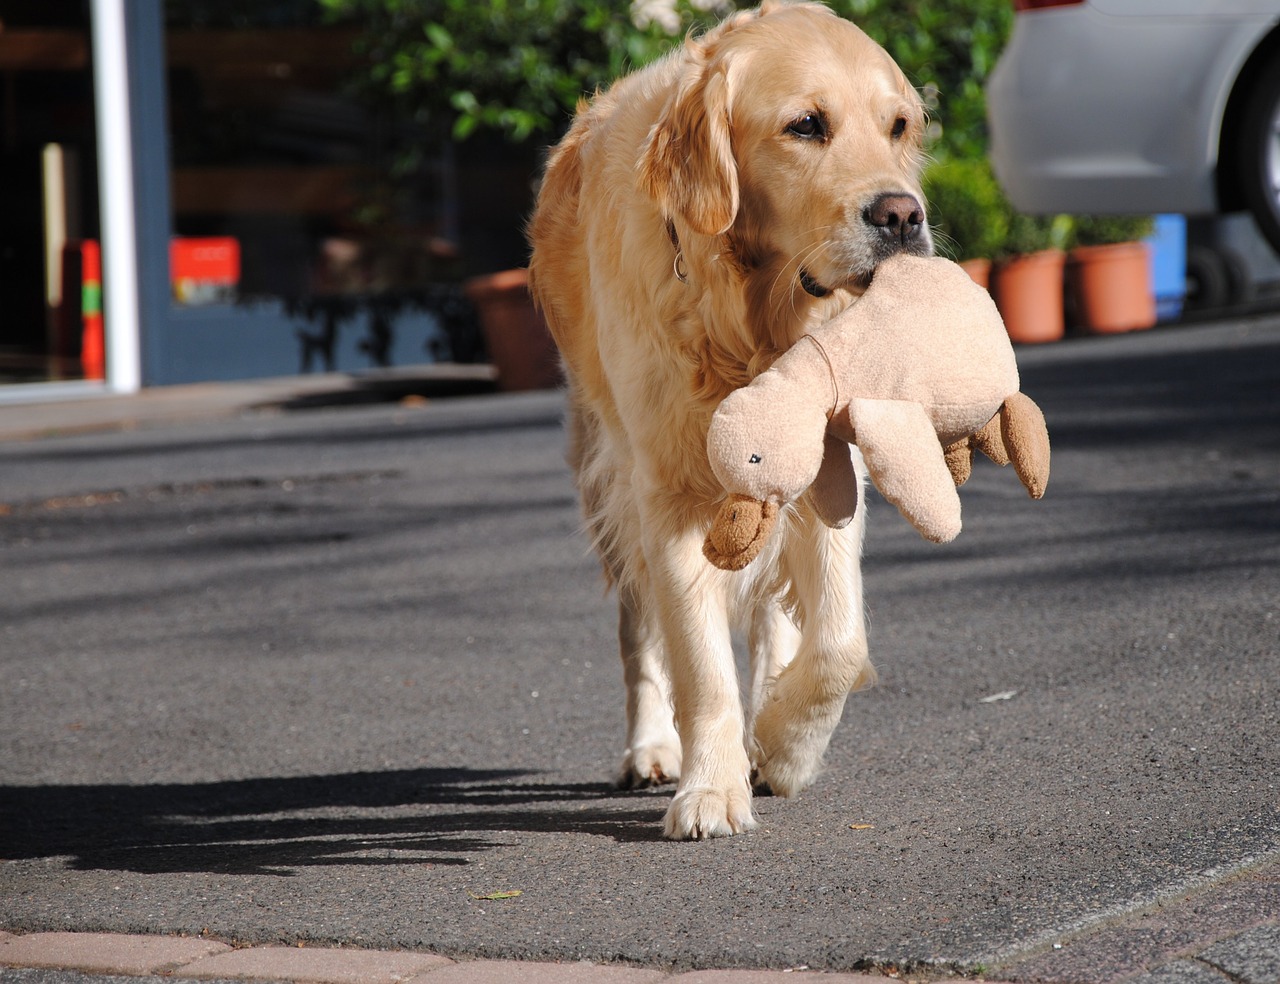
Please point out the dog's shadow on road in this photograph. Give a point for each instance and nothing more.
(275, 825)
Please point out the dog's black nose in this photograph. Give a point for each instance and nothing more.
(897, 217)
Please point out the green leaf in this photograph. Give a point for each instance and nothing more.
(464, 126)
(439, 36)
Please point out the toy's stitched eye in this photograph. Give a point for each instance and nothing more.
(810, 126)
(755, 459)
(899, 128)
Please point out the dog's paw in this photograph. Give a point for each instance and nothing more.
(649, 765)
(786, 775)
(759, 785)
(696, 814)
(788, 747)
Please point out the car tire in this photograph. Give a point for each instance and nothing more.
(1207, 284)
(1259, 160)
(1217, 277)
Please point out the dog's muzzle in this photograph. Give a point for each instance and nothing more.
(811, 286)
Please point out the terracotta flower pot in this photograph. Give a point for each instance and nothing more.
(1111, 287)
(979, 271)
(1029, 293)
(520, 347)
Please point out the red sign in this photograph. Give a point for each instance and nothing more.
(206, 260)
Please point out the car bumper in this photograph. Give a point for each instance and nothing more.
(1094, 112)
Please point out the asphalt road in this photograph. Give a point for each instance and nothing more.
(337, 675)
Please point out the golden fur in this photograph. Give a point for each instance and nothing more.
(697, 219)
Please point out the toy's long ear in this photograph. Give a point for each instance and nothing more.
(687, 164)
(834, 492)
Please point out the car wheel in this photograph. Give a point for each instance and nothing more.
(1207, 285)
(1217, 277)
(1260, 153)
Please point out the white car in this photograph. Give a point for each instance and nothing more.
(1140, 106)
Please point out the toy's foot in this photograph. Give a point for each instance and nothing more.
(650, 765)
(696, 814)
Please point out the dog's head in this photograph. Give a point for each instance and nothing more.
(796, 137)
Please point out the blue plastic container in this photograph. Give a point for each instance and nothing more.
(1168, 244)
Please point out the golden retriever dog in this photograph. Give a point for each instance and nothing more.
(698, 218)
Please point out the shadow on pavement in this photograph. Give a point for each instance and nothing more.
(272, 825)
(390, 388)
(1151, 399)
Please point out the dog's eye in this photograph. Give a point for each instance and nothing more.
(810, 126)
(899, 128)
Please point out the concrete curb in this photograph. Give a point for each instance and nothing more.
(94, 410)
(187, 958)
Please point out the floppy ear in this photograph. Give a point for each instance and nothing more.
(687, 164)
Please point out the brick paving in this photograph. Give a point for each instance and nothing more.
(1252, 956)
(185, 958)
(1249, 957)
(318, 965)
(106, 953)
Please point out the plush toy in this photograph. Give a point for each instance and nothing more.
(918, 373)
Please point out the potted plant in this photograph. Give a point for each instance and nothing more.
(1109, 280)
(968, 213)
(516, 337)
(1027, 279)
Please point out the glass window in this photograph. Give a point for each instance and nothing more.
(50, 288)
(287, 205)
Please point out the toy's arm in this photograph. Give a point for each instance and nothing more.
(900, 447)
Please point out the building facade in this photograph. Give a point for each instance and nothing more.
(196, 190)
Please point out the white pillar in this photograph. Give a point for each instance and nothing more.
(115, 190)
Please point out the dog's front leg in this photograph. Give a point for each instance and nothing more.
(772, 642)
(713, 798)
(653, 747)
(803, 705)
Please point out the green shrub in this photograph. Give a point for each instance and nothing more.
(975, 219)
(1101, 230)
(516, 66)
(520, 66)
(1032, 233)
(967, 210)
(947, 49)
